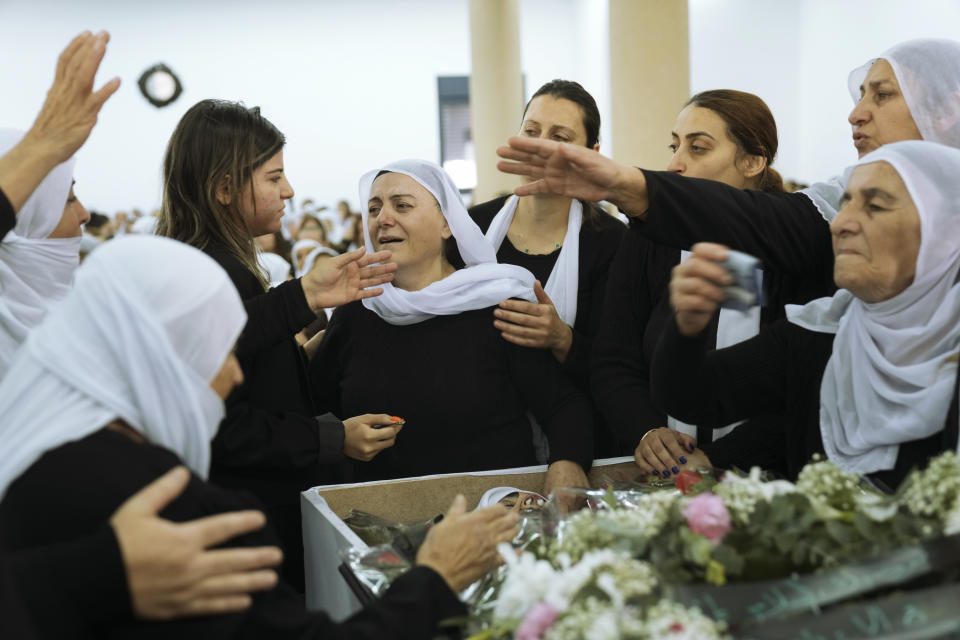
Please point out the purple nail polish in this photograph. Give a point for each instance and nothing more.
(655, 472)
(666, 474)
(692, 446)
(675, 470)
(683, 460)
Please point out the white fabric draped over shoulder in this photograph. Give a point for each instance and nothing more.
(482, 283)
(564, 280)
(36, 272)
(145, 330)
(928, 72)
(893, 370)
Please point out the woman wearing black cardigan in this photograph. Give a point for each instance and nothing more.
(224, 185)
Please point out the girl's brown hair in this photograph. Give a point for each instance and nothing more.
(215, 143)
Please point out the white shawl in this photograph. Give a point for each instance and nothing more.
(893, 370)
(482, 283)
(35, 271)
(148, 325)
(563, 283)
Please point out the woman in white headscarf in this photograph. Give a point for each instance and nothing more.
(37, 258)
(869, 375)
(426, 349)
(125, 380)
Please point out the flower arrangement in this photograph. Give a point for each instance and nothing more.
(606, 571)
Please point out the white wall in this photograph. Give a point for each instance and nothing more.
(353, 83)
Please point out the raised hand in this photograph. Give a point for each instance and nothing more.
(64, 122)
(340, 280)
(534, 324)
(170, 570)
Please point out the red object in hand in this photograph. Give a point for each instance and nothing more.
(389, 558)
(396, 419)
(686, 479)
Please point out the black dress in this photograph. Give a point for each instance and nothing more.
(778, 371)
(71, 491)
(270, 441)
(463, 390)
(599, 238)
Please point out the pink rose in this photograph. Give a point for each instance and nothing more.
(540, 618)
(707, 515)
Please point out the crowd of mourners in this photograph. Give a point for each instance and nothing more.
(164, 404)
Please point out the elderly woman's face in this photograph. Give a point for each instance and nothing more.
(405, 219)
(882, 115)
(876, 235)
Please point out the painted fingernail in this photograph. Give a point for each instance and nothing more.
(655, 472)
(683, 460)
(675, 470)
(691, 445)
(666, 474)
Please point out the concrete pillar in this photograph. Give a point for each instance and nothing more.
(496, 89)
(649, 77)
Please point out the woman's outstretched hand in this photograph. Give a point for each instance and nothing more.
(341, 280)
(573, 171)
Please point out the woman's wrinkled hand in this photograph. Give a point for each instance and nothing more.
(463, 546)
(534, 324)
(696, 287)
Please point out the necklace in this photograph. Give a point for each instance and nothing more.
(555, 248)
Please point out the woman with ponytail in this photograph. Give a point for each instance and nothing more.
(721, 135)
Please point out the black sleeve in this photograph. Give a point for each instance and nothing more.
(8, 219)
(759, 441)
(562, 411)
(65, 589)
(620, 376)
(412, 607)
(253, 438)
(699, 386)
(274, 316)
(784, 230)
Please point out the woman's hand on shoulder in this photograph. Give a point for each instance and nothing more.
(367, 435)
(463, 547)
(696, 287)
(341, 280)
(534, 324)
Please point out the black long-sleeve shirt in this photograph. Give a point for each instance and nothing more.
(463, 390)
(104, 469)
(778, 371)
(8, 219)
(270, 441)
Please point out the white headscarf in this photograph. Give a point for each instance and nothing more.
(145, 226)
(893, 370)
(274, 267)
(482, 283)
(297, 246)
(311, 258)
(563, 283)
(148, 325)
(35, 271)
(928, 72)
